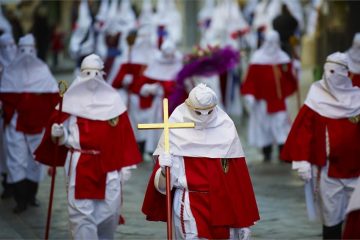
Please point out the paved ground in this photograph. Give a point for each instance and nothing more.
(278, 191)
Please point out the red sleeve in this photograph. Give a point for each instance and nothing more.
(306, 140)
(48, 152)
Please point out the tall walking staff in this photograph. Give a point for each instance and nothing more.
(167, 126)
(62, 90)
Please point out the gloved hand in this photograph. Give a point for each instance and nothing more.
(57, 130)
(165, 160)
(304, 169)
(125, 174)
(128, 79)
(245, 233)
(151, 89)
(249, 102)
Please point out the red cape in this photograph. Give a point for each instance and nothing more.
(218, 200)
(146, 102)
(116, 144)
(34, 110)
(136, 70)
(260, 81)
(306, 141)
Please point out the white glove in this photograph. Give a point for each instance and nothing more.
(249, 102)
(151, 89)
(57, 130)
(244, 233)
(303, 168)
(128, 79)
(165, 160)
(126, 173)
(145, 90)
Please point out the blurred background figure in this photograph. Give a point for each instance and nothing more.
(42, 32)
(354, 60)
(269, 81)
(57, 44)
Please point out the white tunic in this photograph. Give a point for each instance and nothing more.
(89, 218)
(20, 161)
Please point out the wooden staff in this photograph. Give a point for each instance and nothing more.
(62, 90)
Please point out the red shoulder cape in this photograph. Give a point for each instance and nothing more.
(116, 144)
(260, 81)
(218, 200)
(306, 141)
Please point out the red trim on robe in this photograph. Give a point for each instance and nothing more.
(352, 226)
(134, 69)
(355, 79)
(117, 147)
(146, 102)
(306, 141)
(261, 83)
(218, 201)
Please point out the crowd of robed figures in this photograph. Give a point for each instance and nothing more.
(92, 134)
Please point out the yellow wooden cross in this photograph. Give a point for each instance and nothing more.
(167, 126)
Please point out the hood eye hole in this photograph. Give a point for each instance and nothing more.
(332, 71)
(88, 73)
(198, 113)
(210, 111)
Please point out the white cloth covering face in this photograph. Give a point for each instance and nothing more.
(7, 49)
(270, 52)
(334, 96)
(90, 96)
(354, 55)
(27, 73)
(214, 136)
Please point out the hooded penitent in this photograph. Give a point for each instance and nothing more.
(334, 96)
(354, 60)
(210, 123)
(28, 88)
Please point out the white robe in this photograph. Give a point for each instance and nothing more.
(265, 128)
(20, 161)
(90, 218)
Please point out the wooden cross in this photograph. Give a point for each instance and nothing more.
(167, 126)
